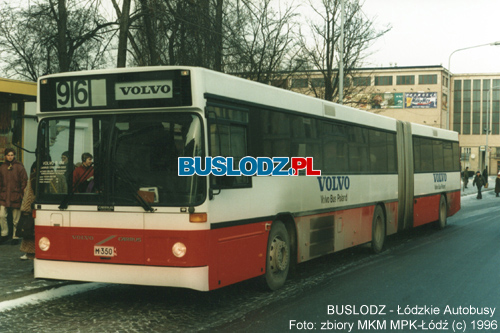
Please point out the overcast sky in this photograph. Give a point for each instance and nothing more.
(426, 32)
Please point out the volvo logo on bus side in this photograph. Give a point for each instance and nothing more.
(143, 90)
(334, 183)
(440, 177)
(440, 180)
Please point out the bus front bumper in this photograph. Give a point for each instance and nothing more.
(181, 277)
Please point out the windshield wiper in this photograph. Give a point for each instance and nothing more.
(126, 178)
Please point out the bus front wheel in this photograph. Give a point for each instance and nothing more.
(278, 256)
(378, 230)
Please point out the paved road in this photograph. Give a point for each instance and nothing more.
(449, 276)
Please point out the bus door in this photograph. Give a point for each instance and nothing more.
(405, 178)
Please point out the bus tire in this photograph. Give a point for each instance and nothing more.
(278, 256)
(378, 230)
(443, 213)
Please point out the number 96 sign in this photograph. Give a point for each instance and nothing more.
(80, 93)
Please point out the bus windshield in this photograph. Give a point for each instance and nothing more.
(113, 160)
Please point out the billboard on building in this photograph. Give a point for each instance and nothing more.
(387, 100)
(421, 100)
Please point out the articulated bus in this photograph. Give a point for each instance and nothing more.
(138, 220)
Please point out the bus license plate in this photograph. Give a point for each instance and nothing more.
(104, 251)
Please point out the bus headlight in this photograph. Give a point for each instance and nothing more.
(179, 250)
(44, 244)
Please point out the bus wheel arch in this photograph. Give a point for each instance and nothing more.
(442, 213)
(279, 253)
(289, 222)
(379, 228)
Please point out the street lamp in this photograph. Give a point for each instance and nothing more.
(449, 77)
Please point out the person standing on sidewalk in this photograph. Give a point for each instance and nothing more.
(13, 181)
(497, 184)
(478, 182)
(28, 243)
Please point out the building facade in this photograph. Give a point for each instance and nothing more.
(419, 94)
(475, 115)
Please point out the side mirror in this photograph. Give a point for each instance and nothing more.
(211, 193)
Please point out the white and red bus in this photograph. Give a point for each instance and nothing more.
(136, 221)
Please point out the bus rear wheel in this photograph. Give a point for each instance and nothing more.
(443, 213)
(278, 256)
(378, 230)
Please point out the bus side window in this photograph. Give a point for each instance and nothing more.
(438, 155)
(335, 148)
(228, 138)
(378, 151)
(417, 160)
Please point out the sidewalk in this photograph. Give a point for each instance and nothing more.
(473, 190)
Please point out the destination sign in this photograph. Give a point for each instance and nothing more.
(132, 90)
(80, 93)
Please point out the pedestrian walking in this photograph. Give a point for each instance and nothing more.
(466, 177)
(13, 180)
(478, 182)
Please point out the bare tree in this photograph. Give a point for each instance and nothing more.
(218, 39)
(243, 36)
(48, 37)
(261, 42)
(22, 53)
(123, 20)
(61, 17)
(323, 53)
(174, 32)
(149, 20)
(75, 27)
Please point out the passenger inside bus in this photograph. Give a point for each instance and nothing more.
(83, 176)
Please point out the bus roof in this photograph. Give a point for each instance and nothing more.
(438, 133)
(206, 81)
(254, 92)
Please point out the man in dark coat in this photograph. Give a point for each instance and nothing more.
(479, 182)
(13, 180)
(466, 177)
(497, 184)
